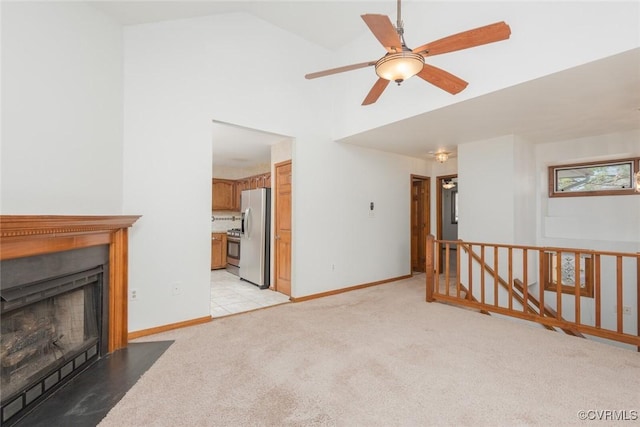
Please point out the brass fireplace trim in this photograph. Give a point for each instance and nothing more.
(29, 235)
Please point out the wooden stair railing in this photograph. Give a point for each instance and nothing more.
(548, 311)
(485, 275)
(470, 297)
(520, 297)
(505, 285)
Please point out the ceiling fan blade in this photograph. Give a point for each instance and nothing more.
(385, 32)
(339, 70)
(442, 79)
(376, 91)
(466, 39)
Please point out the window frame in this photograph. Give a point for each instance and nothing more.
(550, 277)
(552, 177)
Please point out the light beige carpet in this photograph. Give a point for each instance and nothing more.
(379, 356)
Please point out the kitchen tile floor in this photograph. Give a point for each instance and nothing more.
(230, 295)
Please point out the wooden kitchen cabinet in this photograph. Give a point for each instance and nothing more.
(227, 194)
(218, 250)
(253, 182)
(223, 195)
(242, 184)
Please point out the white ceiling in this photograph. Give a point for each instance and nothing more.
(298, 17)
(597, 98)
(240, 147)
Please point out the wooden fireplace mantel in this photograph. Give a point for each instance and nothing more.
(29, 235)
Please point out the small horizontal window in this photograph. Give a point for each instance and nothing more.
(593, 179)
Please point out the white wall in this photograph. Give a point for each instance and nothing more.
(604, 222)
(338, 243)
(61, 110)
(488, 199)
(180, 75)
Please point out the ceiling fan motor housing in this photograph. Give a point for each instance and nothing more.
(399, 66)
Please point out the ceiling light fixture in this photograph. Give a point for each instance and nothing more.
(399, 66)
(442, 156)
(448, 184)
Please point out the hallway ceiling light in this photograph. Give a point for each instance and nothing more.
(442, 157)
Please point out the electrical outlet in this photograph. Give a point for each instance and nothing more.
(133, 294)
(626, 310)
(176, 289)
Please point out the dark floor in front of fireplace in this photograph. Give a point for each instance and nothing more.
(89, 396)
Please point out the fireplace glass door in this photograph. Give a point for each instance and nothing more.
(46, 341)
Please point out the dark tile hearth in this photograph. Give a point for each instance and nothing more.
(89, 396)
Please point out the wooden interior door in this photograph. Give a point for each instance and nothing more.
(419, 221)
(282, 261)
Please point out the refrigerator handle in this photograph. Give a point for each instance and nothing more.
(246, 222)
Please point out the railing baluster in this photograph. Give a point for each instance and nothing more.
(482, 279)
(525, 274)
(510, 255)
(446, 268)
(458, 271)
(619, 291)
(495, 276)
(577, 286)
(597, 273)
(558, 285)
(542, 273)
(438, 257)
(469, 267)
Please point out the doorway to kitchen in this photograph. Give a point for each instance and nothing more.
(243, 161)
(447, 206)
(420, 220)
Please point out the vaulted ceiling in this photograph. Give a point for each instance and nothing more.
(596, 98)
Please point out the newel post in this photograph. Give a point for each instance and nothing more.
(638, 295)
(429, 268)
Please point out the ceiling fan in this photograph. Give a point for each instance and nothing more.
(401, 62)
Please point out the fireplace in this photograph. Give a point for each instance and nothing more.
(52, 323)
(63, 303)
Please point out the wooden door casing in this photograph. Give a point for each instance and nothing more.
(282, 260)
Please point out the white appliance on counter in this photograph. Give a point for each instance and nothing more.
(255, 236)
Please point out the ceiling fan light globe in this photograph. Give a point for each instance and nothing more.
(399, 66)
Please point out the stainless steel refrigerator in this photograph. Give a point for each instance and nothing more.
(255, 236)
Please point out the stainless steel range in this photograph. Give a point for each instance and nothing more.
(233, 251)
